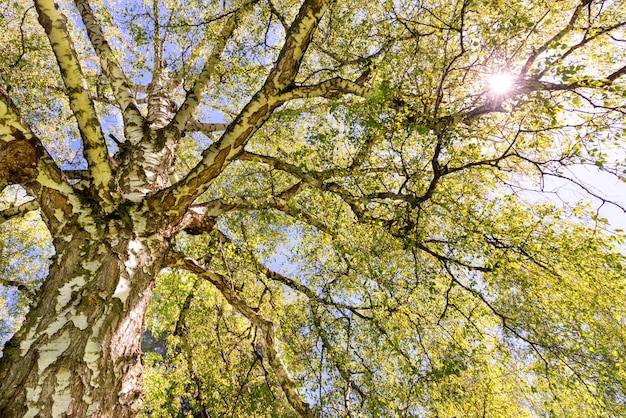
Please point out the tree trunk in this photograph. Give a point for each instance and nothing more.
(78, 353)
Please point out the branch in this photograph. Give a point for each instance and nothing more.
(22, 43)
(586, 39)
(585, 83)
(298, 38)
(313, 179)
(543, 48)
(573, 179)
(76, 174)
(444, 259)
(298, 286)
(294, 170)
(198, 219)
(206, 128)
(280, 17)
(334, 356)
(330, 89)
(133, 121)
(523, 87)
(21, 286)
(316, 179)
(194, 96)
(364, 151)
(94, 145)
(267, 327)
(617, 74)
(19, 210)
(175, 200)
(506, 320)
(24, 161)
(201, 218)
(310, 294)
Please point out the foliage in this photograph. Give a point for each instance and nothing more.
(407, 233)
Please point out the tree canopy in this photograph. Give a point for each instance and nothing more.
(355, 208)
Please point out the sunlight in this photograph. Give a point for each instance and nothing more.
(501, 83)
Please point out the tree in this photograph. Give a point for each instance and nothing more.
(341, 211)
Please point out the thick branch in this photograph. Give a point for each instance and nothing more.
(94, 146)
(297, 40)
(267, 327)
(176, 199)
(24, 161)
(133, 120)
(201, 218)
(206, 128)
(76, 174)
(330, 89)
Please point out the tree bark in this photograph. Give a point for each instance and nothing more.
(78, 353)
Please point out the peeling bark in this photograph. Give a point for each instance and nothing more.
(94, 147)
(176, 199)
(133, 121)
(79, 349)
(78, 352)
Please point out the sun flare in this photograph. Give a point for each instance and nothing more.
(501, 83)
